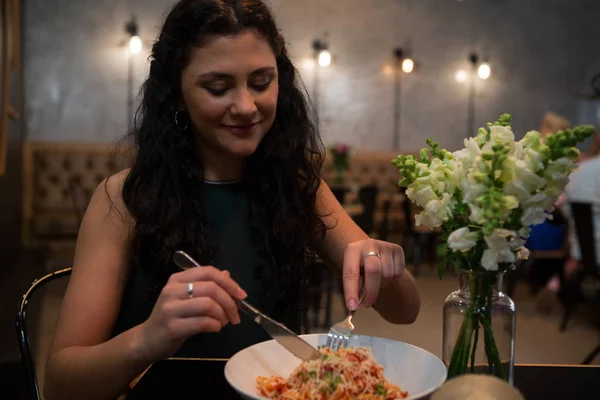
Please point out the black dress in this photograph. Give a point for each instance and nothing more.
(226, 207)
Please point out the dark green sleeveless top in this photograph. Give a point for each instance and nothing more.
(226, 208)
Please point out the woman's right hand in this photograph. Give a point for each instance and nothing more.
(176, 316)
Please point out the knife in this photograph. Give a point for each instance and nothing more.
(282, 334)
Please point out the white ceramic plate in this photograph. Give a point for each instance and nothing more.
(413, 369)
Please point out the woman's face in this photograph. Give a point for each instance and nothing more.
(230, 92)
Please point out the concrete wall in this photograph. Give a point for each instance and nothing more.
(541, 53)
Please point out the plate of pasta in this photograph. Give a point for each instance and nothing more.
(370, 368)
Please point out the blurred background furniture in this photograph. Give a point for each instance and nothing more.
(367, 169)
(58, 182)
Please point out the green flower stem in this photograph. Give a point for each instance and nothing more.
(491, 350)
(460, 354)
(475, 340)
(478, 314)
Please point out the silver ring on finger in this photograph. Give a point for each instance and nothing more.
(190, 290)
(373, 254)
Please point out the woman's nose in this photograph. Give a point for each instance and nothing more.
(243, 104)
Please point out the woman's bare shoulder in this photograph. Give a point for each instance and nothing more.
(108, 197)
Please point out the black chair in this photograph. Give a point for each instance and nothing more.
(384, 227)
(340, 193)
(570, 292)
(367, 195)
(22, 334)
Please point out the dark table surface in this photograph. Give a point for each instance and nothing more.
(204, 379)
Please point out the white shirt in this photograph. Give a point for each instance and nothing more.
(584, 187)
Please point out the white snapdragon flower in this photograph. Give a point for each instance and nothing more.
(533, 216)
(424, 195)
(532, 139)
(502, 135)
(462, 239)
(472, 191)
(518, 151)
(458, 175)
(517, 188)
(510, 202)
(524, 232)
(539, 199)
(531, 181)
(557, 172)
(468, 154)
(436, 212)
(499, 249)
(476, 214)
(533, 159)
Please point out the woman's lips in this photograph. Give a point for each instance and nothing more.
(241, 129)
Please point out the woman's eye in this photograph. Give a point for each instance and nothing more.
(262, 84)
(216, 91)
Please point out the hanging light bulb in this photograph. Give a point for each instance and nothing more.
(408, 65)
(324, 58)
(135, 44)
(461, 76)
(484, 71)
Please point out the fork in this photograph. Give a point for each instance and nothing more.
(339, 333)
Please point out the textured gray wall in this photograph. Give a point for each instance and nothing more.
(542, 54)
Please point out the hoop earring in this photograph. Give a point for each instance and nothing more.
(178, 123)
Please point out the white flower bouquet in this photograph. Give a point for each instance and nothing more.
(484, 198)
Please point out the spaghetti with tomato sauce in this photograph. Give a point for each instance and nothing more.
(341, 375)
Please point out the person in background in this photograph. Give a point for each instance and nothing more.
(227, 168)
(584, 187)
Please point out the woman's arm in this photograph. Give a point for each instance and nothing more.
(391, 289)
(81, 362)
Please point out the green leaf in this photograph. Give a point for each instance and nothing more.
(442, 269)
(381, 390)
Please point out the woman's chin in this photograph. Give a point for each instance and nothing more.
(243, 150)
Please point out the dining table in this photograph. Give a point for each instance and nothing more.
(203, 378)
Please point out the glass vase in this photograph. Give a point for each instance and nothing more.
(479, 327)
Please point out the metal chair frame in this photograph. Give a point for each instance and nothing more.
(22, 333)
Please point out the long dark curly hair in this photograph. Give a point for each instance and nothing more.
(161, 191)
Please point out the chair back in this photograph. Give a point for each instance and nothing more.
(367, 196)
(584, 229)
(384, 228)
(22, 333)
(339, 193)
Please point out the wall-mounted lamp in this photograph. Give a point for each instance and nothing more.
(134, 46)
(322, 58)
(483, 70)
(135, 42)
(322, 53)
(478, 70)
(408, 65)
(402, 63)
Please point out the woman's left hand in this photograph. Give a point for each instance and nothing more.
(380, 262)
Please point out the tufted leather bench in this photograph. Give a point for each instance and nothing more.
(375, 168)
(59, 179)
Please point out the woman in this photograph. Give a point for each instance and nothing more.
(227, 169)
